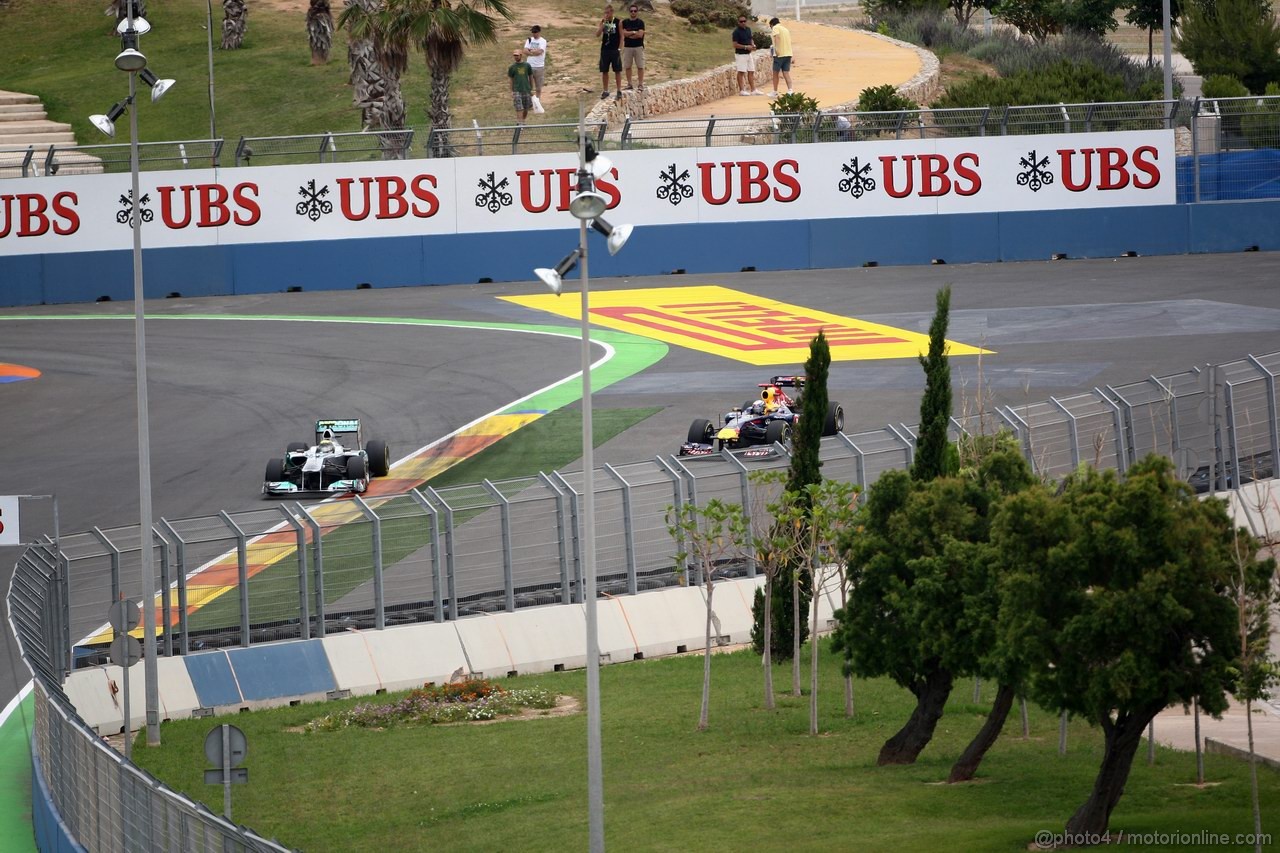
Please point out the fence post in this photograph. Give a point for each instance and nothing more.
(115, 562)
(744, 486)
(242, 573)
(166, 617)
(1072, 431)
(561, 539)
(508, 570)
(711, 123)
(304, 602)
(379, 608)
(317, 562)
(576, 538)
(180, 549)
(907, 443)
(628, 528)
(450, 567)
(1273, 411)
(437, 604)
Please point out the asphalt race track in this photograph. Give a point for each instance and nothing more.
(225, 395)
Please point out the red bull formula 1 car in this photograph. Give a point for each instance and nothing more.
(770, 419)
(339, 463)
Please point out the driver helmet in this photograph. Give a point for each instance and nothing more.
(757, 407)
(770, 398)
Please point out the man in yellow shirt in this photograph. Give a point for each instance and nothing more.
(781, 55)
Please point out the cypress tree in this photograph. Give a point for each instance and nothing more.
(933, 455)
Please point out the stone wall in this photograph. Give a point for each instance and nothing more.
(720, 82)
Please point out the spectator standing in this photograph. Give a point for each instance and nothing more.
(781, 55)
(743, 46)
(610, 34)
(535, 48)
(633, 45)
(521, 76)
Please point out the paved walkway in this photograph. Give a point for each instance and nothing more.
(831, 64)
(1176, 728)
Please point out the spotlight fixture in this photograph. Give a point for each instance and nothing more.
(617, 235)
(107, 123)
(599, 164)
(554, 279)
(158, 85)
(140, 26)
(587, 204)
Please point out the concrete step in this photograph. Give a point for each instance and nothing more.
(8, 140)
(17, 98)
(22, 112)
(37, 127)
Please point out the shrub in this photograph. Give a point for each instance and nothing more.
(1236, 37)
(884, 99)
(1063, 82)
(1261, 125)
(763, 39)
(1223, 86)
(715, 13)
(473, 699)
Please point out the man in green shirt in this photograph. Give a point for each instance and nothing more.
(521, 85)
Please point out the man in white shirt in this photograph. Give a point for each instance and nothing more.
(535, 50)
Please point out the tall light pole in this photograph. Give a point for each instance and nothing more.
(132, 61)
(213, 128)
(588, 206)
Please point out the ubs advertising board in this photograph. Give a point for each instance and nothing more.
(530, 193)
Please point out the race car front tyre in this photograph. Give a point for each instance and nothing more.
(700, 431)
(296, 447)
(379, 458)
(777, 431)
(275, 470)
(835, 420)
(356, 469)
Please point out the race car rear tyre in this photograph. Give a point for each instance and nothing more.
(356, 469)
(835, 420)
(275, 470)
(700, 431)
(777, 431)
(296, 447)
(379, 458)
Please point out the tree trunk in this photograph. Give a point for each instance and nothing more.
(848, 677)
(1151, 37)
(967, 765)
(234, 22)
(706, 663)
(931, 696)
(1121, 739)
(1253, 778)
(813, 665)
(768, 642)
(320, 31)
(795, 632)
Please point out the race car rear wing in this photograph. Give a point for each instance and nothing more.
(784, 382)
(339, 426)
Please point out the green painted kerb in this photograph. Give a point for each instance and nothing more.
(15, 779)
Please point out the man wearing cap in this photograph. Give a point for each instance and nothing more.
(521, 85)
(535, 48)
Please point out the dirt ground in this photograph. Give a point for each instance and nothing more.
(830, 64)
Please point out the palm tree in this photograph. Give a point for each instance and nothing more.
(441, 29)
(235, 17)
(320, 31)
(376, 66)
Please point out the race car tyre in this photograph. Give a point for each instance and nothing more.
(700, 431)
(275, 470)
(835, 420)
(356, 469)
(777, 431)
(379, 458)
(296, 447)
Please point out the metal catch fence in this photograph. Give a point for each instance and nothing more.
(286, 570)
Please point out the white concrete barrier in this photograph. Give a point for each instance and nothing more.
(398, 658)
(98, 694)
(731, 604)
(534, 639)
(666, 622)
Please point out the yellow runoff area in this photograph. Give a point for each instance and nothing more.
(740, 326)
(222, 575)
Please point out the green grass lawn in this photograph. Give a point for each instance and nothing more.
(62, 51)
(755, 781)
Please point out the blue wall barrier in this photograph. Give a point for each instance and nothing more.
(724, 247)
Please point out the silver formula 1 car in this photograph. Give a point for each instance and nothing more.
(765, 421)
(339, 463)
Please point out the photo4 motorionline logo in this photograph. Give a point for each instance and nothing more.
(1046, 840)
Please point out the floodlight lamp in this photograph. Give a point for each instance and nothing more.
(107, 123)
(587, 204)
(140, 26)
(130, 59)
(158, 86)
(554, 278)
(598, 164)
(617, 235)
